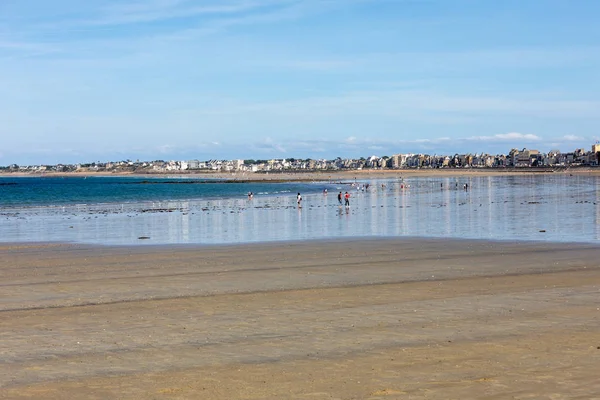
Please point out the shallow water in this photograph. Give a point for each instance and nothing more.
(19, 192)
(559, 208)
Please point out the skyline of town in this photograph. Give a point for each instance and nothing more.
(351, 147)
(514, 158)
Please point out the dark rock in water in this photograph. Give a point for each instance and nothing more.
(144, 237)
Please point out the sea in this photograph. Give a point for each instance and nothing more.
(188, 210)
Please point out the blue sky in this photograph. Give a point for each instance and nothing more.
(101, 80)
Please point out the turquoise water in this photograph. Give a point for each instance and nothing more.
(128, 211)
(49, 191)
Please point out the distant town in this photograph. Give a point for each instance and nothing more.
(524, 158)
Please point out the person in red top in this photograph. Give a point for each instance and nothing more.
(347, 199)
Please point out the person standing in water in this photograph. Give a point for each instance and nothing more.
(340, 198)
(299, 199)
(347, 199)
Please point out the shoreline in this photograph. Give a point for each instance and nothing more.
(321, 176)
(392, 318)
(333, 240)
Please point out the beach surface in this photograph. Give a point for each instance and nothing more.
(349, 319)
(325, 175)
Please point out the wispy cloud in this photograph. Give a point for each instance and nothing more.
(505, 137)
(351, 145)
(415, 104)
(324, 65)
(21, 49)
(162, 26)
(17, 45)
(161, 10)
(282, 148)
(500, 143)
(572, 138)
(268, 145)
(456, 61)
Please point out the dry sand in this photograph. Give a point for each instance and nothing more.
(353, 319)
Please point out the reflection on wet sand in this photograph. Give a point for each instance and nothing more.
(555, 208)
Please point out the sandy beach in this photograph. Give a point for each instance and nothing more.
(334, 175)
(352, 319)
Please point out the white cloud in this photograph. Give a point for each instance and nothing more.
(518, 136)
(573, 138)
(507, 137)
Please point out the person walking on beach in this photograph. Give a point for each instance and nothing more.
(347, 199)
(299, 199)
(340, 198)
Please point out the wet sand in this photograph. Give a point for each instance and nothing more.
(352, 319)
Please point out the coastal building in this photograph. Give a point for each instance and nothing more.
(580, 156)
(191, 164)
(399, 160)
(526, 158)
(487, 160)
(512, 158)
(595, 154)
(552, 158)
(463, 160)
(372, 162)
(500, 161)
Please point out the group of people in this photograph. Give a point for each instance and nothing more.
(364, 187)
(345, 197)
